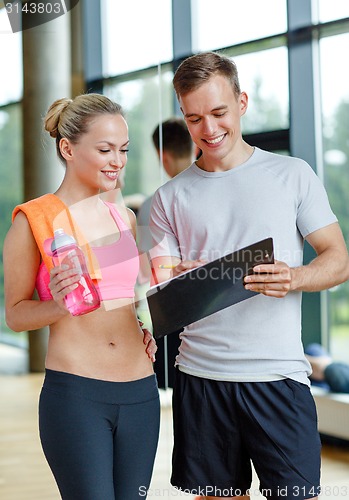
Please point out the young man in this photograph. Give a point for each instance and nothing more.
(176, 149)
(242, 389)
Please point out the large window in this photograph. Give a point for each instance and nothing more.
(10, 193)
(136, 34)
(268, 93)
(147, 100)
(335, 107)
(223, 23)
(11, 188)
(331, 10)
(137, 71)
(258, 45)
(11, 87)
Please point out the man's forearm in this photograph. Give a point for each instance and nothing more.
(327, 270)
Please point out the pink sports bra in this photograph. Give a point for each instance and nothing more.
(119, 265)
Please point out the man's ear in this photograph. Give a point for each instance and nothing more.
(167, 162)
(162, 157)
(165, 157)
(65, 148)
(243, 98)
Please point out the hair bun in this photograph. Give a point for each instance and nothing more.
(53, 115)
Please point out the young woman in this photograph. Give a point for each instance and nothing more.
(99, 405)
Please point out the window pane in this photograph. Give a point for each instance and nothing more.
(11, 87)
(264, 76)
(223, 23)
(334, 9)
(140, 100)
(10, 195)
(335, 104)
(137, 35)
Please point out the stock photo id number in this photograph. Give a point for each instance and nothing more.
(26, 14)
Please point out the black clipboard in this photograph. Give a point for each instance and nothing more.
(202, 291)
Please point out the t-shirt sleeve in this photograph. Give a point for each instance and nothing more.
(164, 240)
(314, 210)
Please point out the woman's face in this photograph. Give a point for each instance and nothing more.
(101, 153)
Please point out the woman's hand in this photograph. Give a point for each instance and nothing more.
(62, 281)
(149, 341)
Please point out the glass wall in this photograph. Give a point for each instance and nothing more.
(147, 100)
(259, 46)
(335, 118)
(136, 46)
(11, 87)
(268, 95)
(138, 51)
(11, 187)
(135, 35)
(229, 22)
(330, 11)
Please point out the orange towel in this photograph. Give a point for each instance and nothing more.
(47, 213)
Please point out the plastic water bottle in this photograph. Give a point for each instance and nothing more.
(65, 251)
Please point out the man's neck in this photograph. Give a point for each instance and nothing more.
(182, 164)
(232, 160)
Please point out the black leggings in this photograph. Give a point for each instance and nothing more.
(99, 437)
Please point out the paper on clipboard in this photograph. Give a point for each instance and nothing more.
(202, 291)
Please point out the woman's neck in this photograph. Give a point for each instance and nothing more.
(71, 196)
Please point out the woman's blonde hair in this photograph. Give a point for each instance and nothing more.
(70, 118)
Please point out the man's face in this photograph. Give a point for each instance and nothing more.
(213, 113)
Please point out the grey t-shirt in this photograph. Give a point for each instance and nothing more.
(204, 215)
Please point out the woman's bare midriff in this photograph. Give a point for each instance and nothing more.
(106, 344)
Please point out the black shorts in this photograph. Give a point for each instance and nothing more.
(220, 427)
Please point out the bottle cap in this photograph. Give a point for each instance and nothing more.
(61, 239)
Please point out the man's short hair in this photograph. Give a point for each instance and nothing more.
(199, 68)
(175, 138)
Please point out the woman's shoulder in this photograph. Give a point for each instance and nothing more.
(20, 232)
(34, 207)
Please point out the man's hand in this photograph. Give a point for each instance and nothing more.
(186, 265)
(164, 268)
(273, 280)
